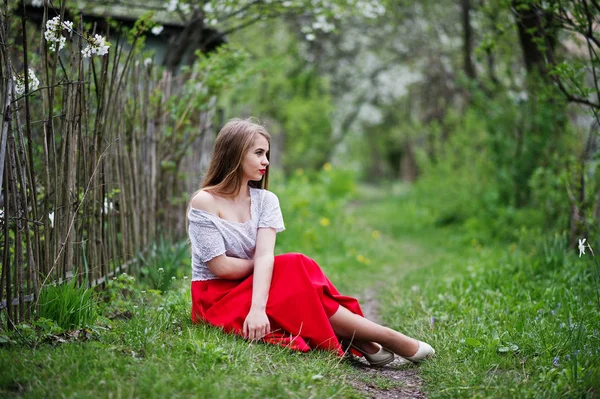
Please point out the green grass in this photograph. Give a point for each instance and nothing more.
(68, 305)
(507, 319)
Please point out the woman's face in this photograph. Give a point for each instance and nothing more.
(255, 160)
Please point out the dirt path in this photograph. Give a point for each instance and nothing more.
(399, 379)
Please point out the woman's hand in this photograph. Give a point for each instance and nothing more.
(256, 325)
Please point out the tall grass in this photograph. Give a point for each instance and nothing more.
(68, 305)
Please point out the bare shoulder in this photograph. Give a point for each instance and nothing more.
(205, 201)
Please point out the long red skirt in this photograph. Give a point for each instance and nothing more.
(301, 301)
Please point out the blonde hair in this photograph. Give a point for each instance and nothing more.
(225, 172)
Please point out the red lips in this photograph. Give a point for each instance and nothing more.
(262, 171)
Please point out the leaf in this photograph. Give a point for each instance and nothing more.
(473, 342)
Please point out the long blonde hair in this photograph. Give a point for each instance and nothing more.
(225, 172)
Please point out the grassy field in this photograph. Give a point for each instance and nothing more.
(508, 319)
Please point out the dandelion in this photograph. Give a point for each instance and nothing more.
(376, 234)
(327, 167)
(581, 247)
(157, 30)
(53, 33)
(361, 258)
(325, 222)
(160, 270)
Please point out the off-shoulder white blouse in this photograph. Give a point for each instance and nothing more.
(212, 236)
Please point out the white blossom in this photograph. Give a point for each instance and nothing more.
(184, 7)
(34, 83)
(51, 217)
(147, 62)
(173, 5)
(157, 30)
(53, 33)
(581, 247)
(97, 45)
(310, 37)
(208, 8)
(108, 206)
(370, 8)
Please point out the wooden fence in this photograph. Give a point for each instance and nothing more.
(92, 162)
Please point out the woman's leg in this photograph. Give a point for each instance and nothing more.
(352, 326)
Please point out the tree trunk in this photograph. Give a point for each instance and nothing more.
(467, 39)
(535, 27)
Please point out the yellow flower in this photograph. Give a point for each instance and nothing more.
(325, 222)
(361, 258)
(327, 167)
(376, 234)
(299, 171)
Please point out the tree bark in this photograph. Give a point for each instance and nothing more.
(535, 26)
(467, 39)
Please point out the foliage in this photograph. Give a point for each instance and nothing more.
(289, 93)
(163, 263)
(69, 305)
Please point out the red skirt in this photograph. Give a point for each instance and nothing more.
(301, 301)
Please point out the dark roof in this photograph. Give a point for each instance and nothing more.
(125, 10)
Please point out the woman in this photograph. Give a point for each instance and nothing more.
(239, 285)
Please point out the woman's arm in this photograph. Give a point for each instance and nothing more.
(257, 323)
(230, 268)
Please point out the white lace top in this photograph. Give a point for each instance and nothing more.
(212, 236)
